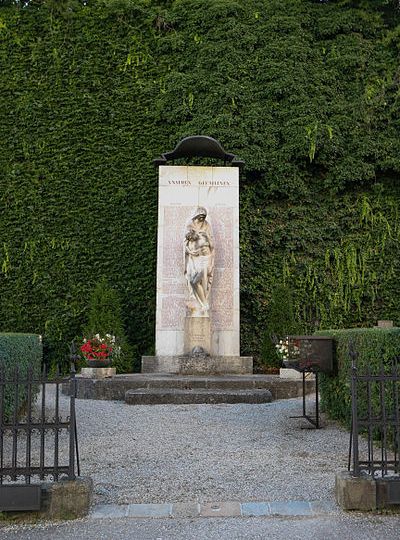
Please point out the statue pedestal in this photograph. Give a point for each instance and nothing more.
(98, 373)
(206, 365)
(197, 334)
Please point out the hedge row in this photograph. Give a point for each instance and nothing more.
(19, 354)
(373, 346)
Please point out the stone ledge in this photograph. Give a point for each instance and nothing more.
(212, 365)
(176, 396)
(115, 388)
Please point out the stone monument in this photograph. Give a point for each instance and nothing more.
(197, 314)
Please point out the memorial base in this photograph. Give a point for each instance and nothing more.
(210, 365)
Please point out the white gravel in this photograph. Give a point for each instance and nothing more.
(203, 453)
(181, 453)
(178, 453)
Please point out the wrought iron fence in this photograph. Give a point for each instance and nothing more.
(375, 434)
(37, 440)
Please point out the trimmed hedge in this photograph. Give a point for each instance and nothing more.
(372, 345)
(23, 351)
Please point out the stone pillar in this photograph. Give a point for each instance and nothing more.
(197, 276)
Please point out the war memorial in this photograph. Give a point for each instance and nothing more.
(197, 336)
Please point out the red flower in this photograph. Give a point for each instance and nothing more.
(96, 348)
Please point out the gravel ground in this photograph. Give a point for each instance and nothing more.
(353, 527)
(179, 453)
(164, 453)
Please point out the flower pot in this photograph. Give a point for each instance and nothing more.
(98, 363)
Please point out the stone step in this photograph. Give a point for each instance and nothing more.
(115, 388)
(158, 396)
(189, 382)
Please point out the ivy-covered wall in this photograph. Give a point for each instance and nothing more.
(306, 92)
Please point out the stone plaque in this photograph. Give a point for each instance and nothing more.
(197, 334)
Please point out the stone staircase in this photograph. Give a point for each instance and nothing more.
(160, 388)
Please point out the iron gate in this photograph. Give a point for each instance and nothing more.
(38, 440)
(375, 433)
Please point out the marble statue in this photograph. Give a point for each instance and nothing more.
(199, 261)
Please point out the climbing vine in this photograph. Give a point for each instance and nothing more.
(305, 92)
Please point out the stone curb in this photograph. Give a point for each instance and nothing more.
(217, 509)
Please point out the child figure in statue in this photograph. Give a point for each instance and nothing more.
(199, 260)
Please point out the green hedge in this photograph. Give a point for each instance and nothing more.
(306, 92)
(21, 351)
(372, 345)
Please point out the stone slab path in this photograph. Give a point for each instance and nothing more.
(215, 510)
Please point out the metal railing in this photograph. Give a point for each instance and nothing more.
(375, 434)
(36, 441)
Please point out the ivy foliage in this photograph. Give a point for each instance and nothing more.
(280, 322)
(306, 92)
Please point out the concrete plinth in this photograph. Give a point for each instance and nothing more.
(288, 373)
(210, 365)
(61, 500)
(367, 493)
(67, 499)
(98, 373)
(355, 492)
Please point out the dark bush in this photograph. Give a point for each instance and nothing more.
(19, 353)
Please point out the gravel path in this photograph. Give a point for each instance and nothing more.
(178, 453)
(205, 453)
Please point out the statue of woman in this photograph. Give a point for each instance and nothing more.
(199, 258)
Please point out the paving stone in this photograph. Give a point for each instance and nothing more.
(222, 509)
(255, 509)
(219, 509)
(291, 508)
(149, 510)
(109, 511)
(324, 507)
(186, 510)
